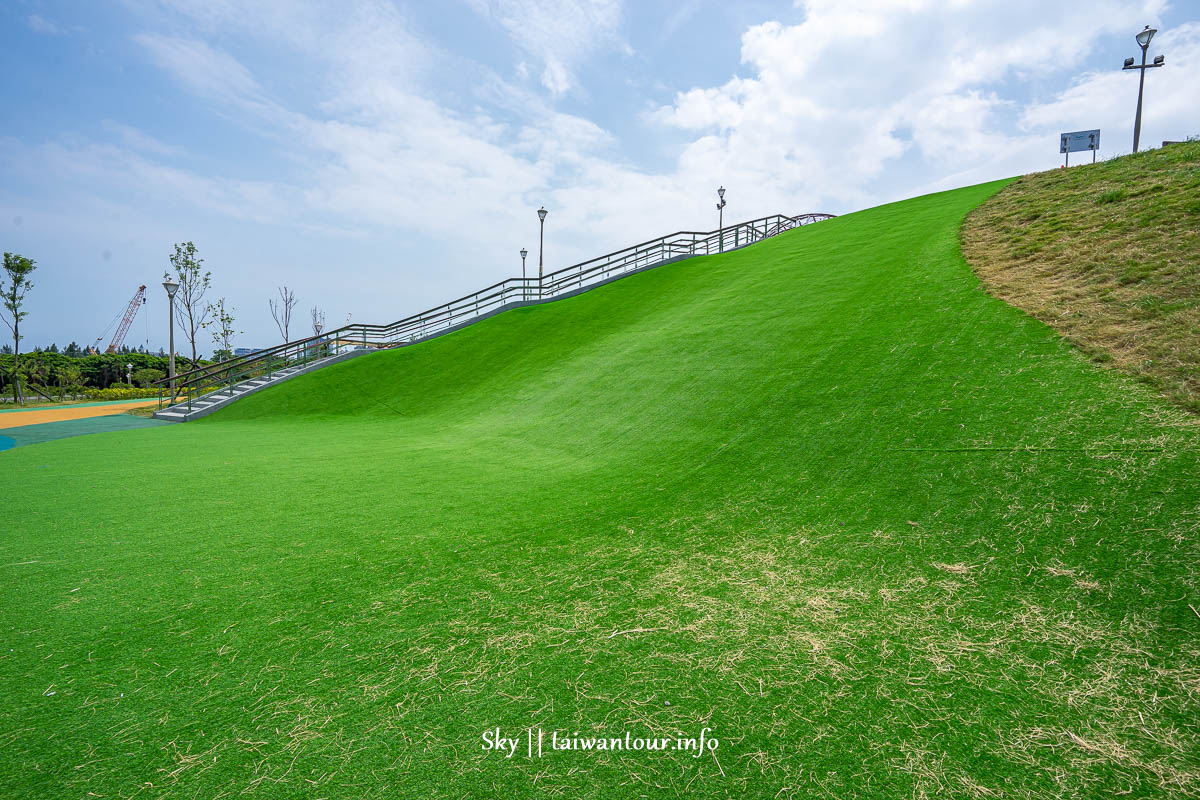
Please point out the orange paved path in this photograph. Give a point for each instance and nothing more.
(36, 416)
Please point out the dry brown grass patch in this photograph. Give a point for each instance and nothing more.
(1108, 255)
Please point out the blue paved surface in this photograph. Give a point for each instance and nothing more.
(48, 431)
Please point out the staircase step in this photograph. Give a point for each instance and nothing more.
(227, 394)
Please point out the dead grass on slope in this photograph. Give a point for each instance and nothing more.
(1108, 255)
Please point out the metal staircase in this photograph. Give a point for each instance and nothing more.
(204, 390)
(202, 405)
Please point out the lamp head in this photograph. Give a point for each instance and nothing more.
(542, 212)
(1128, 63)
(1158, 61)
(1145, 36)
(172, 287)
(524, 253)
(721, 193)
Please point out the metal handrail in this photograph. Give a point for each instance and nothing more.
(511, 292)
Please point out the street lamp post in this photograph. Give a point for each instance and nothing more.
(129, 374)
(542, 212)
(524, 288)
(721, 219)
(1143, 39)
(171, 287)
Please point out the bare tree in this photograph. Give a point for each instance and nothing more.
(12, 295)
(192, 287)
(318, 320)
(281, 310)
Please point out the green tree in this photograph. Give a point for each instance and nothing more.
(70, 377)
(145, 377)
(37, 374)
(221, 327)
(193, 285)
(13, 289)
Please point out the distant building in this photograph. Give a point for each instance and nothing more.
(245, 351)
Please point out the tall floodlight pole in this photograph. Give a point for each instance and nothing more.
(542, 212)
(524, 253)
(721, 218)
(171, 287)
(1143, 39)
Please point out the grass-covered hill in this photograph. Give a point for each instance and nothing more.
(1109, 255)
(879, 532)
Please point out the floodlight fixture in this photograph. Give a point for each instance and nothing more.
(542, 212)
(171, 287)
(721, 220)
(1143, 40)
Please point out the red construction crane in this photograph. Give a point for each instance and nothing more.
(130, 312)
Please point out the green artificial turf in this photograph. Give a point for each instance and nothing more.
(884, 535)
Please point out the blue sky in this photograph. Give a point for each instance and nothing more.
(382, 157)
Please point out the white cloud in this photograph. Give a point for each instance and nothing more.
(560, 34)
(137, 141)
(856, 85)
(828, 104)
(955, 128)
(40, 24)
(388, 154)
(202, 68)
(1106, 100)
(821, 112)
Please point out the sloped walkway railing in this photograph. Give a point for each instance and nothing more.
(222, 380)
